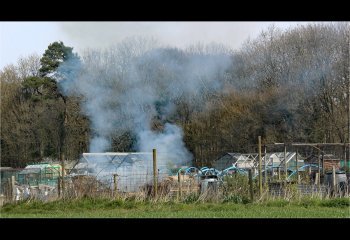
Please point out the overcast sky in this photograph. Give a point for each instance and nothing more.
(20, 39)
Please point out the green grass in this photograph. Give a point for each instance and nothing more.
(104, 208)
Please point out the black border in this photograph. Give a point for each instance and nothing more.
(175, 11)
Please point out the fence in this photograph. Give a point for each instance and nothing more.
(148, 179)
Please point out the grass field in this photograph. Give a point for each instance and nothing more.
(105, 208)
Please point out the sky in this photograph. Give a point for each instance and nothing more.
(20, 39)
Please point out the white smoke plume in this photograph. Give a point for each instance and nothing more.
(129, 85)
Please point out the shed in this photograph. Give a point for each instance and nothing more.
(238, 160)
(277, 159)
(330, 160)
(251, 160)
(42, 173)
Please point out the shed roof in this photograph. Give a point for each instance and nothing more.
(37, 168)
(30, 171)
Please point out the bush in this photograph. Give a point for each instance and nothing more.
(337, 202)
(308, 202)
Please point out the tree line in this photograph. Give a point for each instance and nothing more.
(290, 85)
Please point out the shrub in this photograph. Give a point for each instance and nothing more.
(336, 202)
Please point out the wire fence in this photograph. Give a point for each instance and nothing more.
(128, 175)
(180, 187)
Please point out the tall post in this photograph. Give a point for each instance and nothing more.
(13, 188)
(155, 184)
(251, 185)
(285, 161)
(180, 184)
(115, 183)
(59, 186)
(260, 175)
(319, 167)
(334, 183)
(279, 173)
(323, 167)
(63, 167)
(296, 162)
(310, 173)
(265, 167)
(345, 156)
(9, 189)
(348, 41)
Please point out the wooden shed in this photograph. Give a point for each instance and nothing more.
(329, 160)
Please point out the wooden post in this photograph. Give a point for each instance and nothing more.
(62, 183)
(59, 186)
(155, 183)
(180, 184)
(348, 80)
(323, 168)
(345, 157)
(260, 175)
(310, 174)
(285, 161)
(9, 192)
(319, 167)
(265, 167)
(251, 185)
(279, 173)
(296, 163)
(334, 183)
(299, 179)
(115, 183)
(317, 179)
(13, 188)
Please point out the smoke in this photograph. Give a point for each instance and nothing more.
(98, 143)
(136, 83)
(170, 138)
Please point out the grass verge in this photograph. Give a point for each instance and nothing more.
(107, 208)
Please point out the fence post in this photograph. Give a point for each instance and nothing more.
(279, 173)
(180, 184)
(59, 186)
(9, 192)
(345, 152)
(296, 163)
(63, 184)
(334, 180)
(317, 179)
(323, 168)
(251, 185)
(265, 167)
(155, 184)
(13, 188)
(115, 182)
(285, 161)
(319, 166)
(260, 176)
